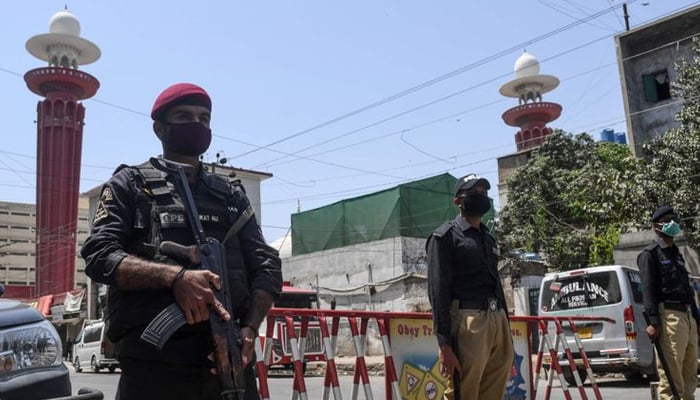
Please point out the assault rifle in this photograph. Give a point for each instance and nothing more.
(208, 253)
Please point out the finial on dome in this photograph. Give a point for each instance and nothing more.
(529, 84)
(63, 46)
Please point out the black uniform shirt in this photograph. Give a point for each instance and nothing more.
(664, 279)
(122, 219)
(462, 264)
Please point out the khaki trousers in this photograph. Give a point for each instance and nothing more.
(679, 342)
(485, 354)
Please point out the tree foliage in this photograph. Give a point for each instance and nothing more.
(572, 200)
(673, 165)
(575, 196)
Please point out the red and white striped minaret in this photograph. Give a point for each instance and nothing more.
(59, 144)
(532, 114)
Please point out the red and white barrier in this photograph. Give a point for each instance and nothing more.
(413, 381)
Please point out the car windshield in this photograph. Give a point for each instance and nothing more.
(581, 291)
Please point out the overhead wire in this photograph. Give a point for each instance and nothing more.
(271, 163)
(440, 78)
(424, 105)
(130, 110)
(602, 12)
(268, 164)
(668, 104)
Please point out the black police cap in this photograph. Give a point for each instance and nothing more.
(469, 181)
(660, 212)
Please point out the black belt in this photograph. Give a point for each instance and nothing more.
(486, 305)
(677, 306)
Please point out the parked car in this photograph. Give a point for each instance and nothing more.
(31, 362)
(92, 349)
(614, 292)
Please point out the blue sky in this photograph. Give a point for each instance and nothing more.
(283, 73)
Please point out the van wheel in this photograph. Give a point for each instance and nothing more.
(95, 367)
(76, 365)
(570, 377)
(112, 369)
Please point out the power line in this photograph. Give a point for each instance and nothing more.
(595, 69)
(441, 78)
(433, 102)
(130, 110)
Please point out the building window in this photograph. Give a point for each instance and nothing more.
(657, 86)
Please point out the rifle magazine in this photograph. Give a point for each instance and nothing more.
(163, 326)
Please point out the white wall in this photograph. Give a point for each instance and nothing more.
(384, 275)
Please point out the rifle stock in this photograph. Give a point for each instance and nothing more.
(208, 254)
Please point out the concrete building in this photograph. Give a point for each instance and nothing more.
(646, 56)
(368, 252)
(18, 248)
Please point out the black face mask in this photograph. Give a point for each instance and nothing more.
(475, 204)
(191, 138)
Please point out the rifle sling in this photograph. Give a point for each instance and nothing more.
(240, 222)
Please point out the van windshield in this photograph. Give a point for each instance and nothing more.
(581, 291)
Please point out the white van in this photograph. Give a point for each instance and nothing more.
(613, 292)
(93, 349)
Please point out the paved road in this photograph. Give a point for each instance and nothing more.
(281, 387)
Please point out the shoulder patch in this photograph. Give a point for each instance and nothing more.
(106, 195)
(100, 213)
(100, 210)
(237, 185)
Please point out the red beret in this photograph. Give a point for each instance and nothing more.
(180, 93)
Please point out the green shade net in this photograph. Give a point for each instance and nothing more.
(412, 209)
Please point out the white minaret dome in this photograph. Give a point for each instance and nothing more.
(526, 65)
(65, 23)
(62, 46)
(528, 85)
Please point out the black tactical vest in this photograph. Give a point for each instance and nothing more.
(160, 216)
(672, 276)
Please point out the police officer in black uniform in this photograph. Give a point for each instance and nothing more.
(138, 209)
(670, 305)
(468, 304)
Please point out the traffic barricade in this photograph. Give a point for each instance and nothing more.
(358, 322)
(409, 337)
(561, 346)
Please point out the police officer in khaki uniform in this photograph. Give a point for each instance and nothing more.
(468, 304)
(138, 210)
(670, 305)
